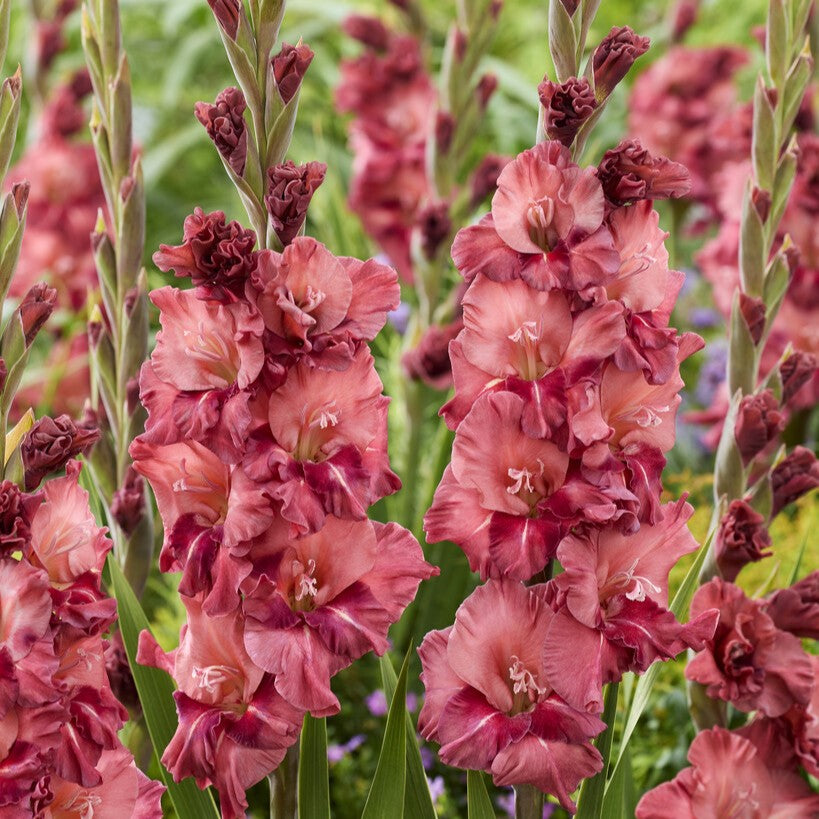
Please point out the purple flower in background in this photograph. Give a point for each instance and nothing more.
(427, 757)
(399, 318)
(436, 788)
(335, 753)
(506, 802)
(712, 373)
(704, 318)
(376, 703)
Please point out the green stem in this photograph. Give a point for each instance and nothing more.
(284, 786)
(528, 802)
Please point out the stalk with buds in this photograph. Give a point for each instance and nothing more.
(118, 328)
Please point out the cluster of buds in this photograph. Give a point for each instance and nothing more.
(266, 443)
(60, 753)
(566, 389)
(412, 185)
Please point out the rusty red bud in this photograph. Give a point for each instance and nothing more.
(759, 421)
(685, 15)
(50, 444)
(289, 67)
(566, 107)
(35, 308)
(792, 258)
(796, 370)
(16, 513)
(460, 43)
(487, 85)
(742, 538)
(614, 57)
(289, 192)
(50, 42)
(570, 6)
(225, 123)
(793, 477)
(444, 131)
(429, 361)
(485, 177)
(227, 13)
(753, 312)
(369, 31)
(20, 192)
(761, 200)
(435, 226)
(128, 503)
(629, 173)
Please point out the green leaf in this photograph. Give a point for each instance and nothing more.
(478, 804)
(314, 774)
(386, 796)
(642, 691)
(590, 801)
(155, 691)
(417, 798)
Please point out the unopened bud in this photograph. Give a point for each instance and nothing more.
(614, 57)
(290, 190)
(795, 476)
(289, 67)
(435, 225)
(224, 121)
(487, 85)
(35, 308)
(761, 200)
(128, 503)
(50, 444)
(796, 370)
(759, 421)
(566, 107)
(753, 312)
(444, 131)
(226, 13)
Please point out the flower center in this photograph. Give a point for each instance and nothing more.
(539, 216)
(297, 319)
(634, 586)
(644, 416)
(199, 483)
(210, 677)
(82, 804)
(527, 337)
(525, 483)
(211, 350)
(314, 433)
(524, 686)
(640, 261)
(305, 586)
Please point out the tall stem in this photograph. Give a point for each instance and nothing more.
(284, 786)
(528, 802)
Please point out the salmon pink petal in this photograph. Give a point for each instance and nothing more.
(553, 767)
(472, 732)
(375, 293)
(479, 249)
(440, 681)
(520, 547)
(25, 606)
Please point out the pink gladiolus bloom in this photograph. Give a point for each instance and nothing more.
(196, 383)
(65, 538)
(210, 512)
(490, 702)
(728, 777)
(611, 604)
(315, 604)
(234, 728)
(546, 226)
(325, 449)
(527, 342)
(749, 662)
(318, 305)
(502, 499)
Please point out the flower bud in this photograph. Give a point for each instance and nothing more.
(614, 57)
(795, 476)
(685, 15)
(753, 312)
(570, 6)
(759, 421)
(629, 173)
(761, 200)
(35, 308)
(290, 190)
(429, 360)
(289, 67)
(444, 131)
(128, 503)
(796, 609)
(216, 254)
(567, 106)
(742, 538)
(224, 121)
(485, 177)
(369, 31)
(796, 370)
(435, 225)
(16, 513)
(487, 85)
(50, 444)
(20, 192)
(226, 13)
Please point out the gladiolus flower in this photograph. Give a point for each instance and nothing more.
(224, 121)
(611, 605)
(796, 608)
(315, 604)
(289, 67)
(750, 662)
(490, 700)
(289, 192)
(795, 476)
(613, 58)
(759, 422)
(742, 538)
(50, 443)
(566, 107)
(727, 775)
